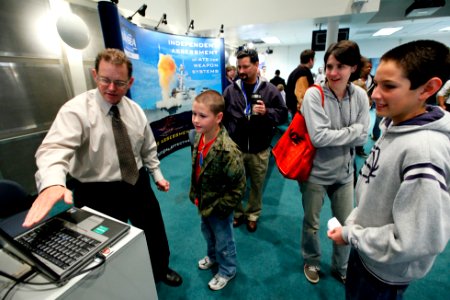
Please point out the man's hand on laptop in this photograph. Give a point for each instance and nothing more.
(44, 203)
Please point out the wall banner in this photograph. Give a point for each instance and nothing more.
(169, 72)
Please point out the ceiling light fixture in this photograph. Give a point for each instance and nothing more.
(387, 31)
(163, 20)
(140, 11)
(191, 26)
(423, 8)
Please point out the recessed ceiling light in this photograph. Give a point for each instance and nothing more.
(387, 31)
(445, 29)
(271, 40)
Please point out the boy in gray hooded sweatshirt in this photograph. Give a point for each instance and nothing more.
(402, 219)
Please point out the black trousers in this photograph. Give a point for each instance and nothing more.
(136, 204)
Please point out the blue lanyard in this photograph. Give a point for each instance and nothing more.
(248, 107)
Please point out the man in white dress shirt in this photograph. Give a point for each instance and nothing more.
(81, 143)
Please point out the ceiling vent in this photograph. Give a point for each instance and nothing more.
(256, 41)
(423, 8)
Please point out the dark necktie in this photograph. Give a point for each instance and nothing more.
(128, 167)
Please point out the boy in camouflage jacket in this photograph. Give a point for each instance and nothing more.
(217, 185)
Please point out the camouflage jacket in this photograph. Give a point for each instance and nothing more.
(222, 181)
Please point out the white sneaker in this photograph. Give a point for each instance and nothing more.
(218, 282)
(205, 263)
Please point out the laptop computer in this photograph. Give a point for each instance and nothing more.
(61, 246)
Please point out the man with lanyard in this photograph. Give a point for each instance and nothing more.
(253, 108)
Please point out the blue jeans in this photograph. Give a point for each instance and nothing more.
(221, 247)
(341, 196)
(361, 284)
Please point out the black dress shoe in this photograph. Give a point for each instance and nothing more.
(172, 278)
(238, 221)
(251, 226)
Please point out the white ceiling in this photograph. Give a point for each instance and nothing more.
(362, 26)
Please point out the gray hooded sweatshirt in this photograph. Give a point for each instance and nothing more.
(335, 129)
(402, 219)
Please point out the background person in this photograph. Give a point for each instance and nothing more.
(335, 130)
(299, 80)
(280, 88)
(401, 222)
(320, 77)
(365, 80)
(252, 129)
(276, 80)
(443, 96)
(230, 74)
(81, 142)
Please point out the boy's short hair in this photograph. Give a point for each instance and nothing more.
(213, 100)
(421, 60)
(115, 57)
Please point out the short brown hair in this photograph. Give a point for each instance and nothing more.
(421, 60)
(306, 56)
(213, 100)
(116, 57)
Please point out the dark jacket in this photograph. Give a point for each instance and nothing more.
(296, 74)
(253, 134)
(221, 184)
(276, 80)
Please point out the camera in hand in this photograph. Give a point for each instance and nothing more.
(255, 97)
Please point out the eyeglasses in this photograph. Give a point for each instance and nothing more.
(106, 82)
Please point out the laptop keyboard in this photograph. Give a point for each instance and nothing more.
(60, 245)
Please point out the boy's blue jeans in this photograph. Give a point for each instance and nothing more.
(221, 246)
(361, 284)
